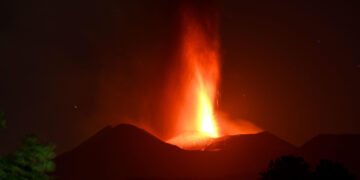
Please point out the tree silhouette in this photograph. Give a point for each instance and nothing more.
(328, 170)
(295, 168)
(287, 168)
(32, 161)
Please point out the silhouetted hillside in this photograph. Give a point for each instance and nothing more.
(342, 148)
(117, 152)
(126, 151)
(263, 140)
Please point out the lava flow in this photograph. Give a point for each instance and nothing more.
(200, 77)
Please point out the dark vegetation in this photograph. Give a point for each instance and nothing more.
(295, 168)
(31, 161)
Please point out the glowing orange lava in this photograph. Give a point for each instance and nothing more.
(200, 53)
(200, 62)
(205, 119)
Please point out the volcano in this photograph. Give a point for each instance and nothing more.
(125, 151)
(128, 152)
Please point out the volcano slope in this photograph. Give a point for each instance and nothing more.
(128, 152)
(344, 148)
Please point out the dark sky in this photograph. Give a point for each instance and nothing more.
(69, 68)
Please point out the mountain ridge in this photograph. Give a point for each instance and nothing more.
(126, 151)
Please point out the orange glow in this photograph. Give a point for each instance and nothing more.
(194, 86)
(200, 54)
(205, 119)
(200, 77)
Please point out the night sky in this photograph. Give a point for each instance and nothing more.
(70, 68)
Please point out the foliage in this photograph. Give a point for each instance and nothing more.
(287, 168)
(295, 168)
(332, 170)
(33, 161)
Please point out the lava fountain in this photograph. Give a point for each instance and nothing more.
(200, 73)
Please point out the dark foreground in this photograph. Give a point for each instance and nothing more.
(127, 152)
